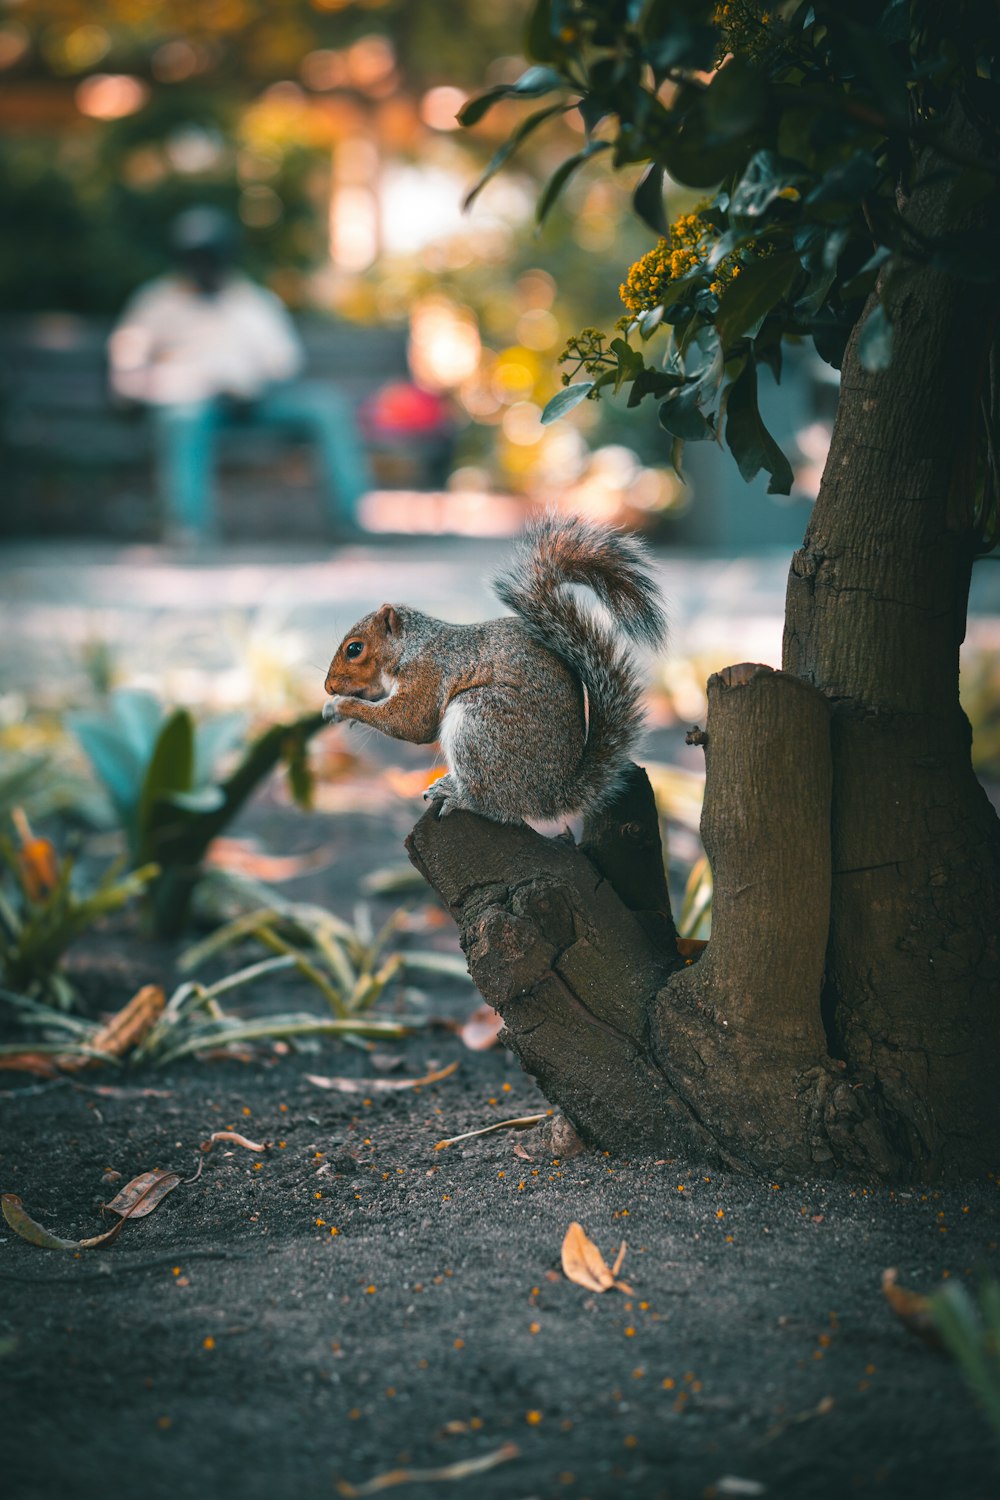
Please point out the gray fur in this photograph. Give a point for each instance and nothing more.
(556, 552)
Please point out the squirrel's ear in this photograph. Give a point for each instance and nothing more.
(388, 619)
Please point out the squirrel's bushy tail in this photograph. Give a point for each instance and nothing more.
(554, 552)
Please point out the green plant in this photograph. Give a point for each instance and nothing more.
(810, 127)
(195, 1021)
(160, 771)
(970, 1329)
(348, 964)
(20, 776)
(192, 1021)
(41, 912)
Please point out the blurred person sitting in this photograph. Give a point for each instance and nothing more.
(205, 349)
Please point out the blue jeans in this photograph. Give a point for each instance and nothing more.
(185, 448)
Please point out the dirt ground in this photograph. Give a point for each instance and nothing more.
(355, 1301)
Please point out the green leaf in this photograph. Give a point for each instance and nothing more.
(848, 182)
(474, 109)
(170, 770)
(692, 159)
(213, 739)
(649, 322)
(205, 799)
(540, 35)
(561, 175)
(750, 296)
(300, 777)
(647, 200)
(139, 715)
(115, 760)
(682, 415)
(506, 151)
(565, 400)
(767, 178)
(630, 362)
(647, 382)
(532, 84)
(675, 42)
(829, 335)
(875, 341)
(735, 102)
(749, 441)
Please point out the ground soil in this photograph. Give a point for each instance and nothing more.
(231, 1344)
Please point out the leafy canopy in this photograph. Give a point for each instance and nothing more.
(809, 124)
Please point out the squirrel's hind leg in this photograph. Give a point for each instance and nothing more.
(506, 758)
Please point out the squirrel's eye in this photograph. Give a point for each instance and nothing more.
(353, 650)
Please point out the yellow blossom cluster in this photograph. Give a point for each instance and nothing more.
(745, 27)
(687, 247)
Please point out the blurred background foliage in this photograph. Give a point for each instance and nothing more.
(328, 129)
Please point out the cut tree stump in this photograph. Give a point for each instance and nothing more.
(724, 1058)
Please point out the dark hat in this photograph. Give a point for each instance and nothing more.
(203, 228)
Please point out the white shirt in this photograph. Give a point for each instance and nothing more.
(173, 344)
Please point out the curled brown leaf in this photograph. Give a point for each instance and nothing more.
(584, 1264)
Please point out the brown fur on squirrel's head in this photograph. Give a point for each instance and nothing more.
(364, 657)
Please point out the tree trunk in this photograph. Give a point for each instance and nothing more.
(875, 616)
(846, 1013)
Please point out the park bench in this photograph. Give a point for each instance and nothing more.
(75, 463)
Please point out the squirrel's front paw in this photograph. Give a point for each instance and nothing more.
(440, 790)
(331, 709)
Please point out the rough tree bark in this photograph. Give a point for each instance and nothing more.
(846, 1013)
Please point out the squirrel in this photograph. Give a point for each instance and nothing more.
(536, 713)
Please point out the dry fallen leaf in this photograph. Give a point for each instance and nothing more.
(125, 1030)
(242, 858)
(408, 784)
(583, 1263)
(129, 1026)
(912, 1309)
(466, 1468)
(379, 1085)
(41, 1064)
(37, 860)
(691, 947)
(38, 867)
(137, 1198)
(140, 1196)
(521, 1122)
(481, 1030)
(235, 1139)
